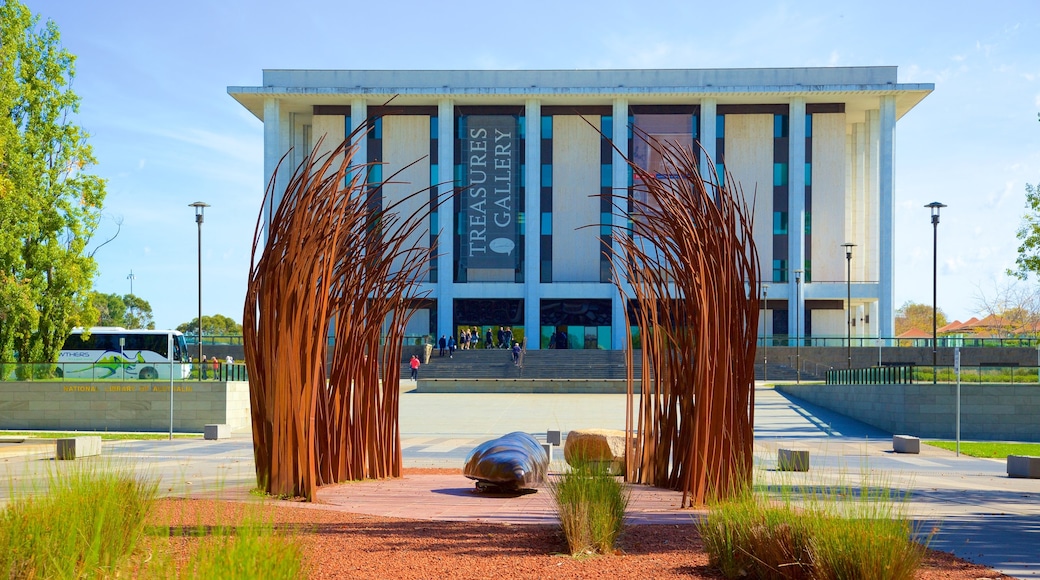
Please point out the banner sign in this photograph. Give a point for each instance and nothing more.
(491, 162)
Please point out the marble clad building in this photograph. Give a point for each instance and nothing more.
(522, 242)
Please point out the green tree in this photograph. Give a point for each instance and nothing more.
(129, 311)
(49, 204)
(919, 316)
(1028, 261)
(216, 325)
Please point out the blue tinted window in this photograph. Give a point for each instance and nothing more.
(780, 127)
(375, 173)
(606, 176)
(522, 125)
(808, 174)
(547, 123)
(808, 125)
(546, 223)
(720, 126)
(605, 220)
(808, 223)
(433, 127)
(779, 270)
(807, 276)
(377, 129)
(346, 125)
(434, 222)
(779, 174)
(779, 222)
(434, 174)
(522, 222)
(546, 175)
(695, 127)
(606, 125)
(721, 169)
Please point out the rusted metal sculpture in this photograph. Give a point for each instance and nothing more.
(333, 266)
(690, 260)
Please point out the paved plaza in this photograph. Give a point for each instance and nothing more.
(980, 514)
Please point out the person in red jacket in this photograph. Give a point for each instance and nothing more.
(414, 364)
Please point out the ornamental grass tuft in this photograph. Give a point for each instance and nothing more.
(591, 504)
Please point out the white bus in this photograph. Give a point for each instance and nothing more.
(115, 353)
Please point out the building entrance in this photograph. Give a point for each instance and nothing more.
(503, 318)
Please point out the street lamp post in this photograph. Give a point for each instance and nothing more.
(848, 296)
(765, 334)
(935, 207)
(131, 279)
(200, 209)
(798, 325)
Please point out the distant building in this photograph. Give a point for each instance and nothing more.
(816, 146)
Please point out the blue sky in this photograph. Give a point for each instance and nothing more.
(153, 80)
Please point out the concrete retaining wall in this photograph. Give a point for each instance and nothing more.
(123, 406)
(988, 412)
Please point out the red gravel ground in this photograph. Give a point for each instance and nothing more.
(344, 545)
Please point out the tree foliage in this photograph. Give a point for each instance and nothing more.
(216, 325)
(919, 316)
(1028, 261)
(1014, 305)
(49, 204)
(128, 311)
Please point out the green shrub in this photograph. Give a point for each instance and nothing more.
(85, 525)
(591, 504)
(835, 533)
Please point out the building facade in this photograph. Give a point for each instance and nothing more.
(522, 164)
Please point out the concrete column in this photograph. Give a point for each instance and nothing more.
(708, 133)
(619, 330)
(796, 206)
(445, 217)
(886, 216)
(532, 223)
(277, 137)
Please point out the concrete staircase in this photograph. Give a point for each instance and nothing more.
(555, 364)
(537, 364)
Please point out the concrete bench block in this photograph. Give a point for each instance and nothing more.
(75, 447)
(215, 431)
(1023, 466)
(906, 444)
(792, 460)
(553, 438)
(602, 446)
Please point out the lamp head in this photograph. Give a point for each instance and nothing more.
(935, 207)
(200, 209)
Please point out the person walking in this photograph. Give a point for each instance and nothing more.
(451, 346)
(414, 365)
(516, 353)
(488, 340)
(502, 337)
(443, 344)
(204, 367)
(216, 367)
(509, 336)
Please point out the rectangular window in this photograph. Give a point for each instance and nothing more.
(808, 223)
(779, 223)
(720, 126)
(779, 270)
(547, 124)
(808, 174)
(780, 126)
(808, 125)
(606, 176)
(606, 126)
(807, 276)
(779, 174)
(546, 175)
(546, 224)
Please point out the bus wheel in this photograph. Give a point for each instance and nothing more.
(148, 374)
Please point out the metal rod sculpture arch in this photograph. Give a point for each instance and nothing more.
(689, 259)
(334, 264)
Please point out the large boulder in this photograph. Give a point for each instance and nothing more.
(603, 446)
